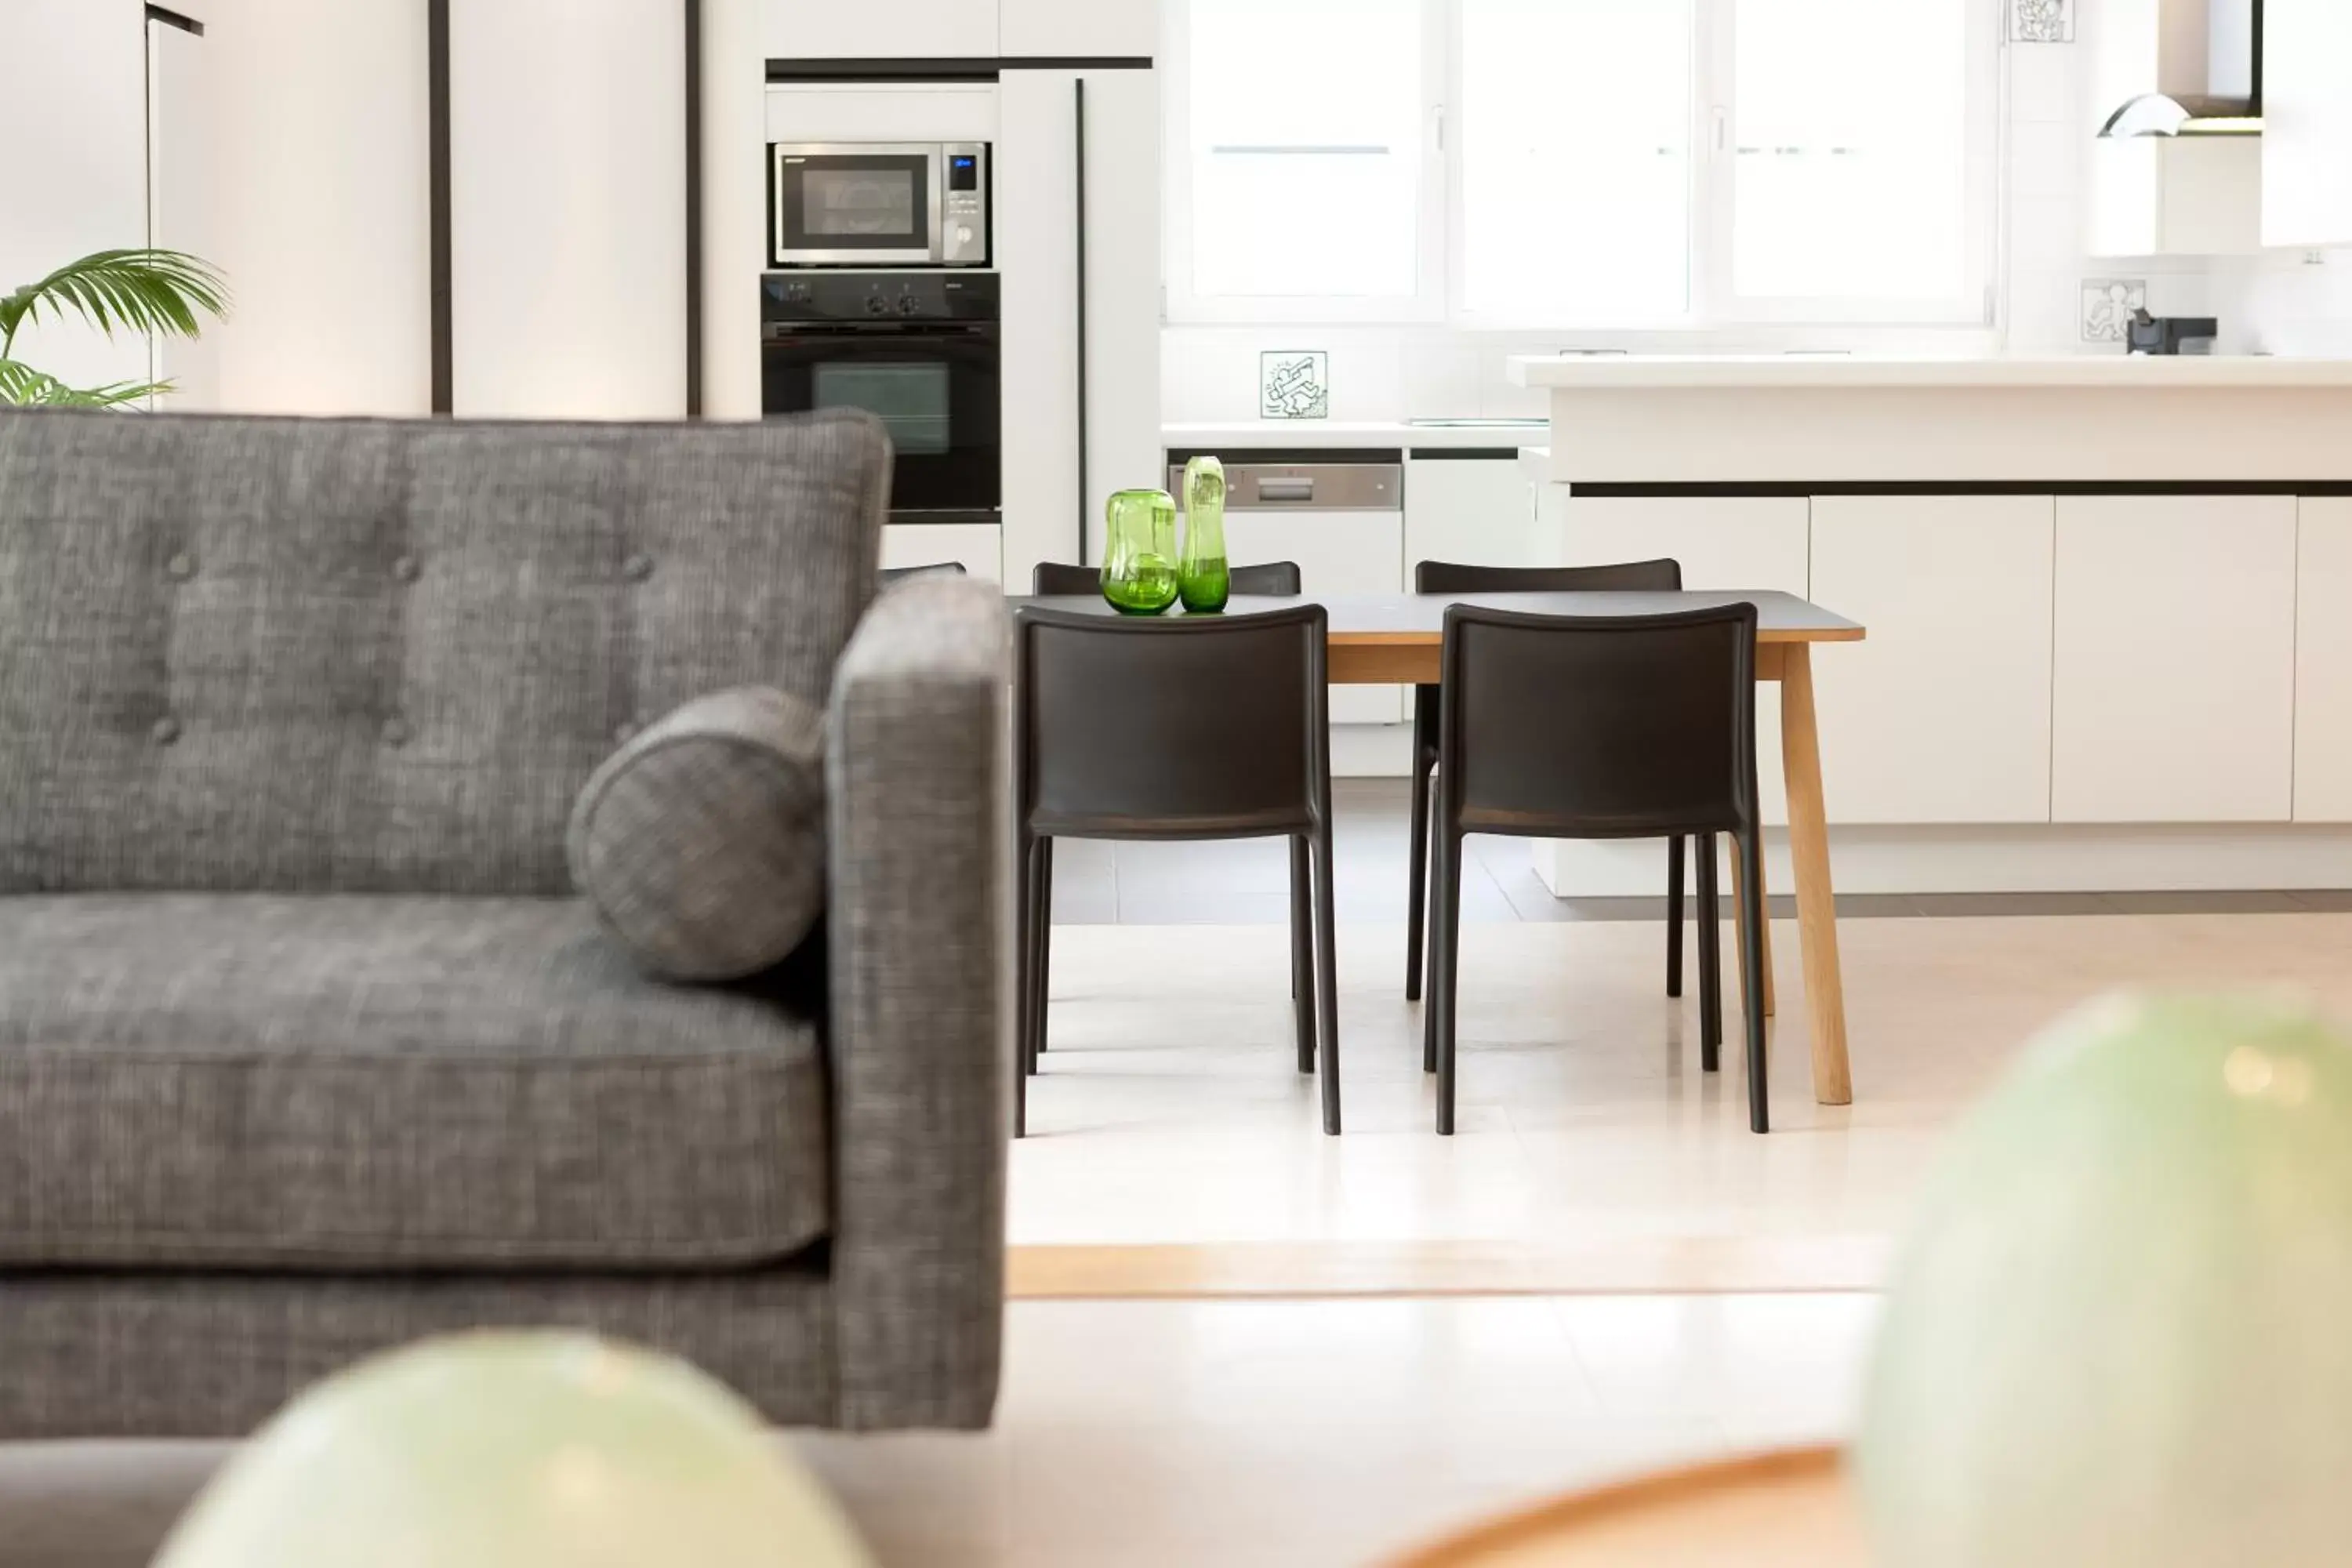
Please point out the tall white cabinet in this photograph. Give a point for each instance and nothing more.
(567, 125)
(1077, 243)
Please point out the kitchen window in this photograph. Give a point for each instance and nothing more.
(1621, 164)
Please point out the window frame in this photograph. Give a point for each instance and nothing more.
(1714, 305)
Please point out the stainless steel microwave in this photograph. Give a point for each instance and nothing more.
(881, 204)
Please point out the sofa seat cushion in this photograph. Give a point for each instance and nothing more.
(353, 1084)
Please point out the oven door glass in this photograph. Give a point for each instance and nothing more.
(855, 206)
(933, 385)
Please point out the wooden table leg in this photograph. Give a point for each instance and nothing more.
(1772, 997)
(1809, 847)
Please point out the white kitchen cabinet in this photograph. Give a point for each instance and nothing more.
(1054, 494)
(1721, 542)
(1068, 29)
(567, 128)
(2306, 194)
(875, 29)
(2322, 662)
(2175, 659)
(1476, 511)
(73, 109)
(1336, 552)
(976, 547)
(1943, 714)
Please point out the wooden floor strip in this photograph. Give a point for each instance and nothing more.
(1632, 1266)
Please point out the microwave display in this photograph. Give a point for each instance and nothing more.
(862, 204)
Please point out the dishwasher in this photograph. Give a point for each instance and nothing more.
(1341, 519)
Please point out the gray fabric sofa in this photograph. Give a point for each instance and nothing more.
(306, 1047)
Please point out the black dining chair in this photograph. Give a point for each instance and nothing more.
(1269, 580)
(900, 574)
(1602, 727)
(1451, 577)
(1184, 728)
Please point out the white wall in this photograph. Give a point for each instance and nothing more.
(322, 202)
(78, 64)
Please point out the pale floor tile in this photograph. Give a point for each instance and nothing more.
(1308, 1432)
(1170, 1435)
(1170, 1109)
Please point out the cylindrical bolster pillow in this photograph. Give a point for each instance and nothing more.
(701, 842)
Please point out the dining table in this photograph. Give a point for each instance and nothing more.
(1381, 639)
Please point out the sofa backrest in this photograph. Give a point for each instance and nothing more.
(352, 656)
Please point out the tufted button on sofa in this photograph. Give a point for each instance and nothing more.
(306, 1047)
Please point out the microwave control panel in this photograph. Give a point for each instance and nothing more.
(963, 205)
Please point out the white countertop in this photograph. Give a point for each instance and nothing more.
(1831, 372)
(1275, 433)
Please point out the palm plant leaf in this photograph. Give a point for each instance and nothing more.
(21, 383)
(147, 291)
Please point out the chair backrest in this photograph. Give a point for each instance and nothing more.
(1599, 726)
(383, 656)
(1270, 580)
(1202, 726)
(1663, 576)
(900, 574)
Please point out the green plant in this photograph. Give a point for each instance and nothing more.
(147, 291)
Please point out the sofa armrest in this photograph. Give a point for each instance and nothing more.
(920, 932)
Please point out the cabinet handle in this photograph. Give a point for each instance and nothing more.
(1078, 100)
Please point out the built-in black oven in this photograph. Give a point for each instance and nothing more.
(920, 350)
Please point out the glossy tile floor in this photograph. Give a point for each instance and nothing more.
(1240, 1434)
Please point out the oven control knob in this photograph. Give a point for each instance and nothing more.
(877, 306)
(908, 305)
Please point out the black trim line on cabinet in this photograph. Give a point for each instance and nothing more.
(966, 69)
(694, 209)
(1086, 477)
(437, 156)
(1464, 454)
(1765, 490)
(172, 18)
(1288, 456)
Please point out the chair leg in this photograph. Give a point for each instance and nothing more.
(1445, 968)
(1675, 855)
(1749, 849)
(1302, 949)
(1417, 906)
(1044, 932)
(1710, 958)
(1327, 971)
(1024, 928)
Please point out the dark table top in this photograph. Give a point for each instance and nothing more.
(1421, 617)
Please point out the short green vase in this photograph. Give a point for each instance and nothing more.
(1201, 576)
(1139, 570)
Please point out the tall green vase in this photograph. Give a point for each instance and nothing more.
(1139, 570)
(1201, 576)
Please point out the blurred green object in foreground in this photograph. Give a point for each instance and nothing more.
(2121, 1331)
(515, 1450)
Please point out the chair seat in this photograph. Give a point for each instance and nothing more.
(358, 1084)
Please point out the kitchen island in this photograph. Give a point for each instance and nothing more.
(2105, 647)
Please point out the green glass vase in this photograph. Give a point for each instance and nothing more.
(1139, 570)
(1202, 577)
